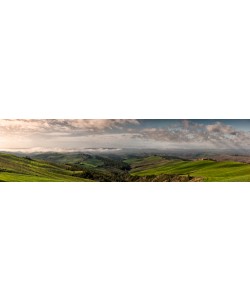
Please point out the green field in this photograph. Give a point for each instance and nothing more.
(70, 158)
(13, 168)
(57, 167)
(205, 170)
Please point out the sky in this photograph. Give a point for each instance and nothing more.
(79, 134)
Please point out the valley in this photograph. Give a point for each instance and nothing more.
(125, 167)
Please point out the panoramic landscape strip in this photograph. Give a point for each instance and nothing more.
(124, 150)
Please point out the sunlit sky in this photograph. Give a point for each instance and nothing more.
(76, 134)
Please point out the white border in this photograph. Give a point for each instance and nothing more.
(125, 241)
(133, 59)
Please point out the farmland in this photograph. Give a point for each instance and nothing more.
(202, 170)
(78, 167)
(13, 168)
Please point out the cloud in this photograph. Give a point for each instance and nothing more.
(119, 133)
(60, 149)
(216, 135)
(163, 134)
(220, 128)
(99, 124)
(63, 125)
(185, 124)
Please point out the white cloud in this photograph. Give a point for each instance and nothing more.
(66, 133)
(62, 125)
(220, 128)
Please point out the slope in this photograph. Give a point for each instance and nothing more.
(207, 170)
(13, 168)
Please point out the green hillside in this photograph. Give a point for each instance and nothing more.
(13, 168)
(205, 170)
(53, 167)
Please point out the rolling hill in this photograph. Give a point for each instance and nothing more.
(56, 167)
(13, 168)
(201, 170)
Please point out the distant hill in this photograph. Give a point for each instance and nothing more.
(121, 168)
(196, 170)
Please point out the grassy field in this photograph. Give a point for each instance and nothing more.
(80, 167)
(206, 170)
(13, 168)
(70, 158)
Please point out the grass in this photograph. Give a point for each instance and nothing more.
(208, 170)
(13, 168)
